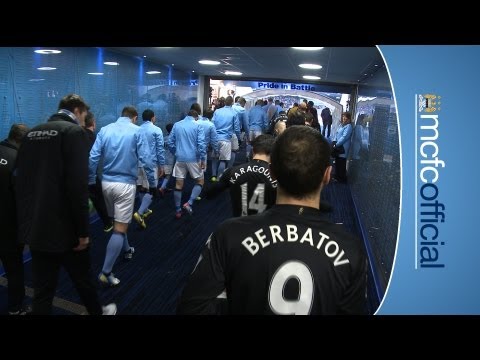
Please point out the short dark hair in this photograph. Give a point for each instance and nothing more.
(193, 113)
(299, 158)
(89, 119)
(208, 114)
(169, 127)
(71, 101)
(17, 132)
(348, 116)
(308, 118)
(296, 118)
(148, 115)
(196, 107)
(129, 111)
(263, 144)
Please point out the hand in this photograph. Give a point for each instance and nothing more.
(160, 172)
(83, 243)
(153, 191)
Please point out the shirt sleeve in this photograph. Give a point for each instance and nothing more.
(160, 155)
(145, 157)
(201, 145)
(203, 293)
(347, 132)
(354, 301)
(213, 138)
(171, 141)
(95, 154)
(76, 153)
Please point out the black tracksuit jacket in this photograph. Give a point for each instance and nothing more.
(52, 185)
(8, 216)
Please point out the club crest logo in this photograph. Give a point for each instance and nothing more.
(429, 103)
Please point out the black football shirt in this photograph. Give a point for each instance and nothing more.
(252, 189)
(286, 260)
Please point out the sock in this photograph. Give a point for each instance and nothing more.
(221, 167)
(147, 200)
(197, 189)
(140, 196)
(177, 197)
(126, 245)
(214, 167)
(232, 159)
(114, 247)
(165, 181)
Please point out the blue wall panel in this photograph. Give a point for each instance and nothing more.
(30, 95)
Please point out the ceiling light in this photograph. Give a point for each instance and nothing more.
(310, 66)
(46, 68)
(152, 72)
(93, 73)
(311, 77)
(113, 63)
(144, 56)
(308, 48)
(209, 62)
(45, 51)
(238, 73)
(36, 79)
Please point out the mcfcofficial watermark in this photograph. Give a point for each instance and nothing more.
(429, 211)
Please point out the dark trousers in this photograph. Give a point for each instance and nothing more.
(45, 269)
(13, 263)
(327, 127)
(99, 203)
(341, 169)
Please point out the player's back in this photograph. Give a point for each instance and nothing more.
(290, 261)
(252, 188)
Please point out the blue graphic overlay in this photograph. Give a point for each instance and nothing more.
(437, 259)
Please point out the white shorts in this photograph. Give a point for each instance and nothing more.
(142, 177)
(181, 168)
(225, 150)
(234, 141)
(167, 169)
(254, 134)
(119, 200)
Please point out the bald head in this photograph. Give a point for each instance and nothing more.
(280, 127)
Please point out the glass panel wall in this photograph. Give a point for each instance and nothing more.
(32, 84)
(374, 174)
